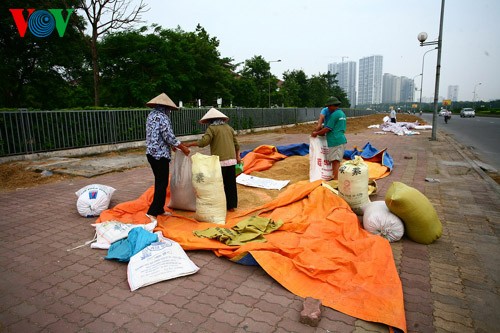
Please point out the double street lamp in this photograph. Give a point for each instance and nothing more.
(269, 80)
(422, 37)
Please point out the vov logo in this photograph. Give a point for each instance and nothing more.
(41, 23)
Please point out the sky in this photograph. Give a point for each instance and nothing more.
(309, 34)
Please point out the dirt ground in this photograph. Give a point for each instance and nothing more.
(15, 175)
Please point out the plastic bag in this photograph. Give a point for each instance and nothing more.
(160, 261)
(319, 166)
(378, 220)
(111, 231)
(353, 184)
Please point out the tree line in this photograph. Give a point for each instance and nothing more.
(129, 64)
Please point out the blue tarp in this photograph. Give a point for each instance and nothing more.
(371, 153)
(300, 149)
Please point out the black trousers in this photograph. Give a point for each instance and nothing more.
(161, 172)
(230, 189)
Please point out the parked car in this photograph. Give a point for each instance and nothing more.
(467, 112)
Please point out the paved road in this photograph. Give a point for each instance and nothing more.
(480, 135)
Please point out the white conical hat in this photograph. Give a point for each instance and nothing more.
(213, 114)
(162, 99)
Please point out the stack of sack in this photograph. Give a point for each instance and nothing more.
(405, 210)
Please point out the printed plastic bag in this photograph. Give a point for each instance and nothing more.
(111, 231)
(93, 199)
(353, 184)
(160, 261)
(319, 166)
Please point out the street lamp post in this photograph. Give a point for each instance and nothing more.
(414, 88)
(422, 37)
(269, 81)
(474, 95)
(422, 79)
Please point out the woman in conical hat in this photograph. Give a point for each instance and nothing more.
(223, 143)
(160, 139)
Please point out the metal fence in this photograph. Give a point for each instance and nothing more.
(27, 132)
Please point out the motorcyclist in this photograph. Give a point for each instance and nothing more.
(447, 115)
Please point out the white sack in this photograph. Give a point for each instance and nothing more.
(353, 184)
(379, 220)
(209, 187)
(319, 166)
(93, 199)
(160, 261)
(111, 231)
(182, 193)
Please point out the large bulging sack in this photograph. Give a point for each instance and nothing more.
(160, 261)
(378, 220)
(209, 188)
(182, 193)
(353, 184)
(319, 166)
(93, 199)
(421, 221)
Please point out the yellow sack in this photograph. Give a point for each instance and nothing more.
(421, 221)
(209, 188)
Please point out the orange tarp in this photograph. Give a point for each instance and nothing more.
(261, 158)
(376, 170)
(321, 250)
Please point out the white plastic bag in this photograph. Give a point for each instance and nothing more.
(160, 261)
(209, 187)
(353, 184)
(93, 199)
(378, 220)
(319, 166)
(182, 193)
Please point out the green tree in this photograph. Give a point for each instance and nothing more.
(245, 92)
(257, 70)
(106, 16)
(41, 72)
(294, 88)
(321, 87)
(187, 66)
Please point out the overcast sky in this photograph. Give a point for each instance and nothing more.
(310, 34)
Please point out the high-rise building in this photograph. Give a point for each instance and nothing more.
(391, 88)
(407, 90)
(453, 93)
(370, 80)
(346, 77)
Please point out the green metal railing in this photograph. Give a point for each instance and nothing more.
(28, 132)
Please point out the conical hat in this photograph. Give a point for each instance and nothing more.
(162, 99)
(213, 114)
